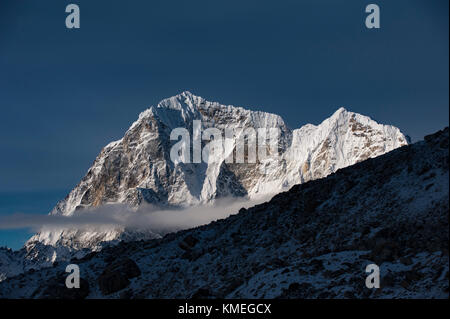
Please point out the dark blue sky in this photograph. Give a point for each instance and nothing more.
(64, 94)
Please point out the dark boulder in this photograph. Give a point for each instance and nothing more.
(116, 276)
(188, 242)
(203, 293)
(55, 288)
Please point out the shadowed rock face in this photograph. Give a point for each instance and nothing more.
(313, 241)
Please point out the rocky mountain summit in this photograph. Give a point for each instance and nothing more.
(313, 241)
(137, 169)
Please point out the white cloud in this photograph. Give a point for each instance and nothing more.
(119, 215)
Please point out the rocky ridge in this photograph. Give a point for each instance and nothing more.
(313, 241)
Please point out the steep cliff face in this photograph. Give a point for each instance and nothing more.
(313, 241)
(138, 169)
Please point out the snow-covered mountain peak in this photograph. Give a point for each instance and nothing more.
(184, 101)
(140, 161)
(339, 111)
(137, 169)
(340, 116)
(181, 109)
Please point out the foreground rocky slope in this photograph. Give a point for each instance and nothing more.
(314, 240)
(138, 170)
